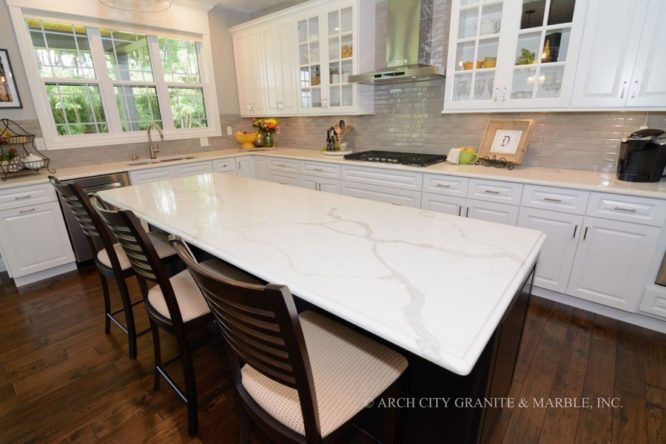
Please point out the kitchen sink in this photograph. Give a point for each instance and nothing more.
(159, 160)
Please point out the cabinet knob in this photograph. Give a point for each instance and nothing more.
(496, 95)
(624, 89)
(324, 103)
(634, 90)
(505, 94)
(279, 104)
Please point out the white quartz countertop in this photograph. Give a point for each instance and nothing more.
(566, 178)
(433, 284)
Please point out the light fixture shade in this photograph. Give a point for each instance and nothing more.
(138, 5)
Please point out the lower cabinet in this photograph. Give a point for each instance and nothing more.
(245, 166)
(34, 239)
(224, 166)
(611, 263)
(476, 209)
(321, 184)
(393, 196)
(562, 231)
(192, 169)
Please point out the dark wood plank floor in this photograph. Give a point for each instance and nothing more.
(63, 380)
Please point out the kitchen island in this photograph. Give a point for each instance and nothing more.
(451, 292)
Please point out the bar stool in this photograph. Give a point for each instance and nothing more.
(300, 377)
(110, 259)
(174, 305)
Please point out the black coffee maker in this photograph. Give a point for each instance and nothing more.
(642, 156)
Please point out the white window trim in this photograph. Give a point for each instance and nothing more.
(20, 9)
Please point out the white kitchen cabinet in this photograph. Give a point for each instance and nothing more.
(611, 263)
(34, 239)
(393, 196)
(150, 175)
(248, 57)
(192, 169)
(507, 55)
(245, 166)
(492, 212)
(321, 184)
(225, 166)
(280, 81)
(621, 58)
(261, 168)
(452, 205)
(562, 231)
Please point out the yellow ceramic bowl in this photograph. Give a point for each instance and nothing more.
(246, 139)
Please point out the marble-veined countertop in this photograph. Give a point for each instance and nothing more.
(557, 177)
(433, 284)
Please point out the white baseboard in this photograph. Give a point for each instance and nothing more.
(641, 320)
(40, 275)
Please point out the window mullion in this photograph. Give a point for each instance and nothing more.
(105, 85)
(163, 98)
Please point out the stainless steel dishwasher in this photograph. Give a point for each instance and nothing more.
(90, 185)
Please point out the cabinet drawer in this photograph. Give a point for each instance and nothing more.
(630, 209)
(557, 199)
(491, 191)
(192, 169)
(393, 196)
(28, 195)
(151, 175)
(375, 176)
(224, 165)
(321, 169)
(654, 301)
(453, 186)
(285, 179)
(284, 166)
(492, 212)
(443, 204)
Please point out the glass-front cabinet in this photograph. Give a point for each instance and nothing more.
(332, 46)
(512, 54)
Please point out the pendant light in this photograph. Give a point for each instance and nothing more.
(138, 5)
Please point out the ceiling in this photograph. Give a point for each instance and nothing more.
(250, 6)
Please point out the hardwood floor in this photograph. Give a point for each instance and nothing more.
(63, 380)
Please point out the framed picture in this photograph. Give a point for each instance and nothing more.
(506, 139)
(9, 96)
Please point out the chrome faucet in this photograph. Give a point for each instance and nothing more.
(152, 146)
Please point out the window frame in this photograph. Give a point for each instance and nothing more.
(116, 135)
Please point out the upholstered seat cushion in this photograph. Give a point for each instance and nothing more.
(159, 240)
(349, 370)
(190, 300)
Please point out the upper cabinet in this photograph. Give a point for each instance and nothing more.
(621, 58)
(305, 57)
(508, 55)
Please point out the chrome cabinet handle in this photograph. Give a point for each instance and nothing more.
(634, 89)
(317, 169)
(575, 230)
(459, 210)
(27, 211)
(282, 165)
(585, 233)
(27, 196)
(491, 191)
(467, 212)
(442, 185)
(397, 204)
(552, 199)
(505, 94)
(496, 95)
(626, 210)
(324, 103)
(624, 89)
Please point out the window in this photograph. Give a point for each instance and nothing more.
(114, 83)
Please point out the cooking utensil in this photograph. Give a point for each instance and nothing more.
(342, 126)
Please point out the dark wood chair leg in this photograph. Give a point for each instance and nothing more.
(190, 389)
(107, 303)
(245, 425)
(129, 315)
(157, 351)
(143, 286)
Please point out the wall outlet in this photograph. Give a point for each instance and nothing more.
(203, 141)
(230, 131)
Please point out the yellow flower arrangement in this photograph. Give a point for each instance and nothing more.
(267, 125)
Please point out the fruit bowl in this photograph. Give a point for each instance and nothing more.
(246, 139)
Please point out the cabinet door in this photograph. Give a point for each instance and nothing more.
(477, 32)
(648, 83)
(557, 255)
(310, 96)
(612, 261)
(544, 46)
(261, 168)
(610, 41)
(281, 82)
(321, 184)
(245, 166)
(492, 212)
(340, 61)
(443, 204)
(34, 239)
(151, 175)
(248, 57)
(225, 166)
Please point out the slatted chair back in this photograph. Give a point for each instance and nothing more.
(140, 252)
(97, 233)
(261, 327)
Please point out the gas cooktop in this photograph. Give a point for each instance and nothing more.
(412, 159)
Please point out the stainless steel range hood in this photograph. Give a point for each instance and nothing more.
(408, 41)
